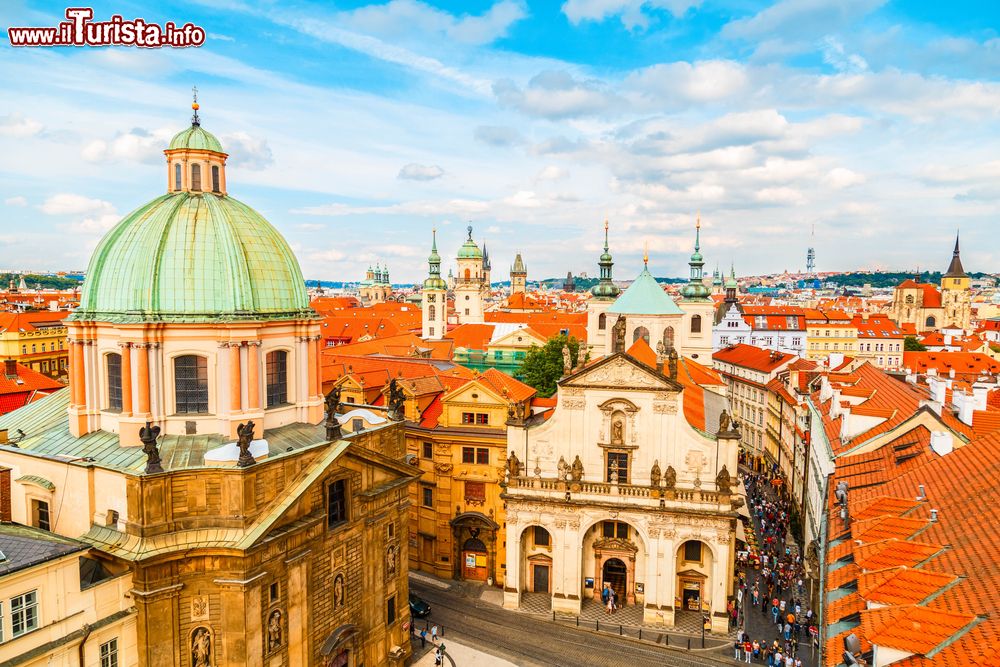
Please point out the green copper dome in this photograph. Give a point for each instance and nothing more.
(469, 249)
(195, 138)
(193, 257)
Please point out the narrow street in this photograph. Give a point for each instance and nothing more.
(757, 621)
(533, 641)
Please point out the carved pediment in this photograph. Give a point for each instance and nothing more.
(691, 574)
(615, 544)
(621, 371)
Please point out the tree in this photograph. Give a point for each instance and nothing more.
(911, 344)
(543, 366)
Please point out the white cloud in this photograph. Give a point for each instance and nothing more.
(420, 172)
(97, 215)
(837, 57)
(247, 151)
(221, 37)
(17, 126)
(798, 19)
(135, 145)
(556, 94)
(680, 83)
(399, 19)
(840, 178)
(498, 135)
(630, 11)
(780, 196)
(15, 201)
(552, 173)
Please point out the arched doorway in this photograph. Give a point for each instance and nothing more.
(536, 552)
(694, 561)
(474, 536)
(615, 576)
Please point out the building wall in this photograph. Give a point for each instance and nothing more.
(44, 350)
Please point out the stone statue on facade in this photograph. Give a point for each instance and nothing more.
(244, 435)
(670, 479)
(567, 360)
(148, 435)
(617, 432)
(723, 481)
(395, 401)
(515, 413)
(672, 362)
(332, 407)
(513, 465)
(654, 474)
(618, 335)
(563, 469)
(613, 475)
(576, 471)
(661, 350)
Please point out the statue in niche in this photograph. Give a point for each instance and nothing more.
(201, 647)
(513, 465)
(654, 474)
(338, 591)
(576, 471)
(567, 361)
(390, 561)
(613, 476)
(618, 335)
(274, 630)
(723, 481)
(563, 469)
(670, 479)
(617, 431)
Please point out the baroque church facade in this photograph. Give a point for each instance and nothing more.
(190, 450)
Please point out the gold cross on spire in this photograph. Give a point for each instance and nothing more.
(645, 253)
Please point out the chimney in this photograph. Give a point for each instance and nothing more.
(10, 368)
(942, 443)
(965, 404)
(5, 515)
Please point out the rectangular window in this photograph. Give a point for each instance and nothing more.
(390, 610)
(482, 419)
(277, 378)
(40, 514)
(468, 418)
(274, 592)
(618, 462)
(196, 177)
(615, 529)
(542, 538)
(336, 498)
(215, 178)
(692, 550)
(498, 355)
(191, 384)
(475, 492)
(115, 381)
(468, 455)
(428, 499)
(479, 418)
(23, 614)
(109, 653)
(428, 450)
(483, 456)
(357, 424)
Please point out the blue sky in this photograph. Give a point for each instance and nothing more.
(357, 127)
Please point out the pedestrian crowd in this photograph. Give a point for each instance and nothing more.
(771, 583)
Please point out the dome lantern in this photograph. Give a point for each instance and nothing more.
(196, 161)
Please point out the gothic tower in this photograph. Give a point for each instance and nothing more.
(955, 294)
(518, 276)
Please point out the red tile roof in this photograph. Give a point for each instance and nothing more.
(755, 358)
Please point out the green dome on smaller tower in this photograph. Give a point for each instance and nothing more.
(195, 138)
(469, 249)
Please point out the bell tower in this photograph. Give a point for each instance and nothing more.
(434, 302)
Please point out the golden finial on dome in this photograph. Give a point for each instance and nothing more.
(195, 106)
(645, 253)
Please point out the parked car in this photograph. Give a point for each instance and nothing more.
(418, 608)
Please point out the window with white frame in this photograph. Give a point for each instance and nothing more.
(109, 653)
(23, 613)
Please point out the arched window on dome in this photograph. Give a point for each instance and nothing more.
(191, 384)
(640, 332)
(696, 324)
(215, 178)
(930, 321)
(113, 364)
(431, 312)
(177, 176)
(602, 321)
(196, 177)
(668, 338)
(277, 378)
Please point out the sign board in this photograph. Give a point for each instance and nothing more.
(470, 560)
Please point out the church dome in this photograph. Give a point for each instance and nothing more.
(469, 249)
(193, 257)
(195, 138)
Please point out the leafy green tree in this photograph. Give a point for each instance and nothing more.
(911, 344)
(543, 366)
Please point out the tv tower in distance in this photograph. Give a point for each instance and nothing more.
(811, 254)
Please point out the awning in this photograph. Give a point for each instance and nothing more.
(741, 534)
(744, 511)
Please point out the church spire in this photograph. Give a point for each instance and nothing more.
(696, 290)
(605, 289)
(955, 269)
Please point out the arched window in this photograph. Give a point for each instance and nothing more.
(177, 176)
(431, 312)
(931, 321)
(114, 368)
(696, 324)
(468, 274)
(602, 321)
(43, 347)
(215, 178)
(196, 177)
(277, 378)
(668, 338)
(640, 332)
(191, 384)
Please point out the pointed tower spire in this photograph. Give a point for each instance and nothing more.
(696, 290)
(606, 288)
(955, 269)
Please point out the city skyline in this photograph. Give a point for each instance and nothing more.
(535, 123)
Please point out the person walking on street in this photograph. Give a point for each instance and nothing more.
(423, 638)
(434, 634)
